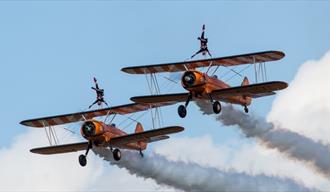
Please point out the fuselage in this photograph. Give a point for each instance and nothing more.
(100, 134)
(200, 85)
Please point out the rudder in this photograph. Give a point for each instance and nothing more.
(247, 99)
(139, 128)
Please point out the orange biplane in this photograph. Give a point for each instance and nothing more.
(202, 86)
(98, 133)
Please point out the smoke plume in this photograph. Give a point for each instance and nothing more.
(193, 177)
(294, 145)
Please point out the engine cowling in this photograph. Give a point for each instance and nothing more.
(193, 80)
(91, 130)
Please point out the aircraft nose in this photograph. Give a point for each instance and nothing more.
(88, 129)
(188, 78)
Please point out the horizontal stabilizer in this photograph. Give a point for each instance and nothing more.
(158, 138)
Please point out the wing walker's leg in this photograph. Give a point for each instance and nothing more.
(105, 103)
(93, 104)
(198, 52)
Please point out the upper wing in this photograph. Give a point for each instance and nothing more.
(221, 61)
(74, 117)
(253, 90)
(145, 136)
(120, 142)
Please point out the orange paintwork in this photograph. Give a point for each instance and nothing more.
(204, 85)
(104, 133)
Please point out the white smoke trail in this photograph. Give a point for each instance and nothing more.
(292, 144)
(193, 177)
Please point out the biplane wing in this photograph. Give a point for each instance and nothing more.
(74, 117)
(119, 142)
(228, 61)
(56, 149)
(252, 90)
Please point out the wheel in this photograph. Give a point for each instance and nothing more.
(116, 154)
(82, 160)
(216, 107)
(182, 111)
(246, 110)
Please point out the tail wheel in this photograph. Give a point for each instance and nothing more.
(216, 107)
(82, 160)
(246, 110)
(182, 111)
(116, 154)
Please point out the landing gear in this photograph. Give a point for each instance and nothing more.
(216, 107)
(82, 157)
(116, 154)
(141, 153)
(246, 110)
(82, 160)
(182, 109)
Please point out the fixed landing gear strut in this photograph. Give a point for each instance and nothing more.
(246, 109)
(82, 157)
(215, 105)
(141, 153)
(182, 109)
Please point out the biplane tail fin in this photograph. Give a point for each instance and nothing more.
(245, 81)
(248, 99)
(139, 128)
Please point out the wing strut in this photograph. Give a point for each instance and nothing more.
(260, 72)
(156, 113)
(51, 135)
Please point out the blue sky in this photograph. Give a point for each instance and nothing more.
(51, 50)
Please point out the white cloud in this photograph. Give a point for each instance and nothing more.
(22, 170)
(304, 107)
(243, 156)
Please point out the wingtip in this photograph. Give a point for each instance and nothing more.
(281, 53)
(179, 128)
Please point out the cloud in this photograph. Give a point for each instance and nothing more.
(298, 120)
(240, 155)
(302, 110)
(190, 176)
(25, 171)
(304, 107)
(63, 173)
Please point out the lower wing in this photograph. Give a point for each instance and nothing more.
(252, 90)
(119, 142)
